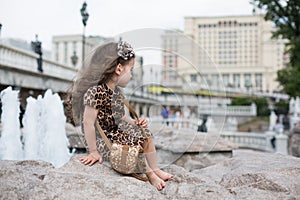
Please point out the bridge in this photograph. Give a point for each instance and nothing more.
(19, 68)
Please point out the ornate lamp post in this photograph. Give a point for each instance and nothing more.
(85, 17)
(37, 48)
(0, 29)
(142, 75)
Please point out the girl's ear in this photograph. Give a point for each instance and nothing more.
(119, 69)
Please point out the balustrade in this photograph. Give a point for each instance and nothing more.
(228, 110)
(18, 59)
(19, 68)
(258, 141)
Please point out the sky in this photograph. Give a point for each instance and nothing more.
(24, 18)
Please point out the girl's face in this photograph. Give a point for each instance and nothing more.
(126, 74)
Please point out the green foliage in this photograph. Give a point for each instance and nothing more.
(281, 107)
(241, 101)
(261, 103)
(290, 79)
(286, 17)
(262, 106)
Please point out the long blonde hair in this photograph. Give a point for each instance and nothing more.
(98, 68)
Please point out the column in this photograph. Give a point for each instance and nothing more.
(242, 81)
(137, 109)
(145, 109)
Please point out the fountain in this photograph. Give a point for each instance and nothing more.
(31, 141)
(10, 143)
(55, 142)
(44, 134)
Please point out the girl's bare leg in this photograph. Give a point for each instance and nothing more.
(154, 179)
(152, 169)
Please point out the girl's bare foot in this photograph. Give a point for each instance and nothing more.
(155, 181)
(163, 175)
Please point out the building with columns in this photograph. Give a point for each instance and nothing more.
(66, 46)
(235, 52)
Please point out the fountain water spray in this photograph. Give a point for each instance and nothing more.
(31, 116)
(10, 142)
(44, 133)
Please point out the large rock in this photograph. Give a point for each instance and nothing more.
(248, 175)
(295, 141)
(191, 149)
(253, 175)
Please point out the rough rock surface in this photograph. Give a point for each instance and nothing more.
(295, 141)
(180, 141)
(247, 175)
(254, 175)
(191, 150)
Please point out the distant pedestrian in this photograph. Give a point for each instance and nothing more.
(165, 114)
(202, 127)
(172, 117)
(278, 128)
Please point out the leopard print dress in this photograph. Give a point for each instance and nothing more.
(110, 108)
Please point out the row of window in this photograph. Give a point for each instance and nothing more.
(222, 38)
(230, 32)
(227, 23)
(241, 48)
(226, 80)
(243, 62)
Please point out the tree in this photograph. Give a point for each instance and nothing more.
(285, 14)
(289, 78)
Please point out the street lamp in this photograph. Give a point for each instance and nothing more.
(142, 74)
(0, 29)
(37, 48)
(151, 80)
(85, 17)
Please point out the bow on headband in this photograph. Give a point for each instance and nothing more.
(125, 50)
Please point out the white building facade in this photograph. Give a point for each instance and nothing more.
(66, 46)
(229, 51)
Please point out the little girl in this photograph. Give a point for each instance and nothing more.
(96, 96)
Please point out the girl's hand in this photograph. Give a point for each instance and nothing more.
(142, 122)
(92, 158)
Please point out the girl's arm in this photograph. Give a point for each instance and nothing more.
(89, 117)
